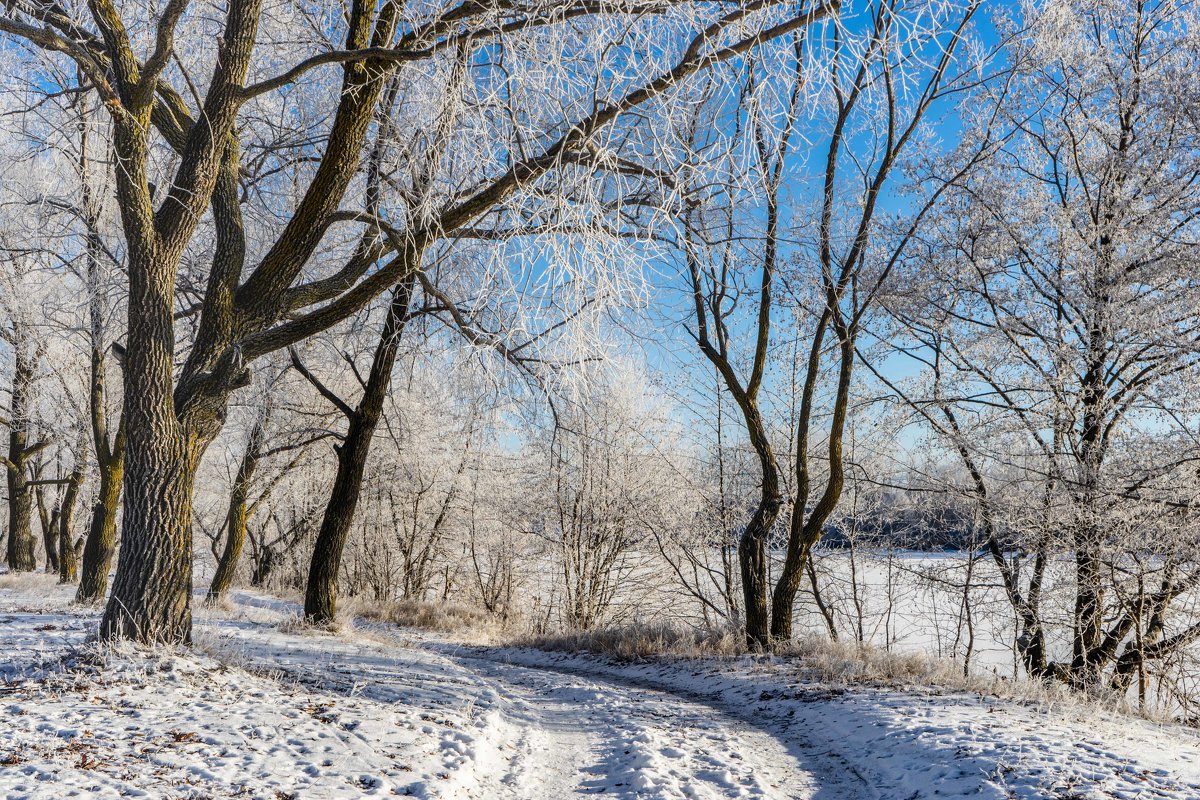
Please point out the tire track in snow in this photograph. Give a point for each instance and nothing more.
(659, 741)
(549, 731)
(639, 742)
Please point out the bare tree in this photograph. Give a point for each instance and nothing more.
(320, 598)
(109, 445)
(600, 488)
(23, 443)
(1061, 319)
(869, 97)
(853, 267)
(70, 547)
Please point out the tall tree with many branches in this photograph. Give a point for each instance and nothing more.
(1059, 330)
(194, 183)
(864, 102)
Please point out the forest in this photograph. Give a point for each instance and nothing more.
(765, 323)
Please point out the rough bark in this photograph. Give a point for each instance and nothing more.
(152, 592)
(151, 595)
(752, 559)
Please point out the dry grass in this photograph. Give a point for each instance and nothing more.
(297, 623)
(818, 659)
(844, 663)
(43, 583)
(461, 620)
(223, 605)
(848, 665)
(812, 659)
(640, 642)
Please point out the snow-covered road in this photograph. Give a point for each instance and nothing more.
(548, 729)
(579, 733)
(262, 710)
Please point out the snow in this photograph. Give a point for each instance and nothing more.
(260, 709)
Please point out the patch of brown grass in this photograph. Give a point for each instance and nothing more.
(442, 617)
(641, 642)
(812, 659)
(298, 623)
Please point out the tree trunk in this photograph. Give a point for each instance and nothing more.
(235, 518)
(264, 565)
(1088, 598)
(151, 600)
(102, 533)
(320, 598)
(152, 592)
(752, 556)
(752, 546)
(1089, 539)
(804, 534)
(68, 553)
(110, 454)
(49, 523)
(21, 555)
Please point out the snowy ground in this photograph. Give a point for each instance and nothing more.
(265, 712)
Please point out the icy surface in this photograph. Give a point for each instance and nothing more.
(262, 711)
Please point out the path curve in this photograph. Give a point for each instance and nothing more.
(549, 731)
